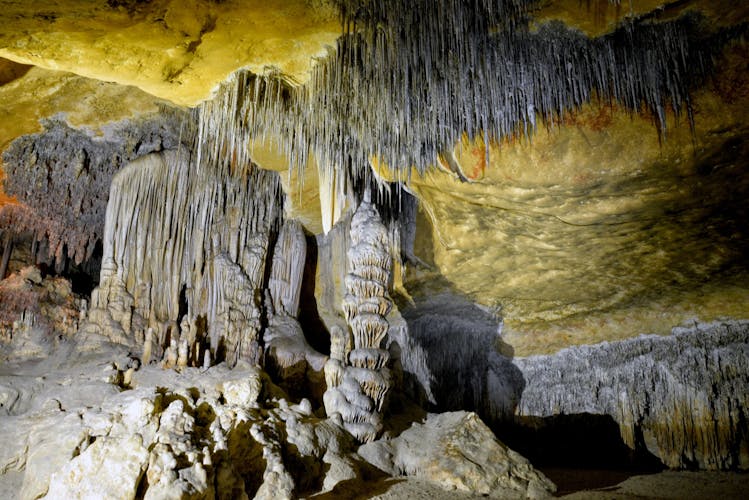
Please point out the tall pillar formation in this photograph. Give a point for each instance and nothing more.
(357, 375)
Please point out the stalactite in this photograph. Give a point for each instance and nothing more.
(288, 266)
(288, 356)
(179, 235)
(406, 81)
(357, 374)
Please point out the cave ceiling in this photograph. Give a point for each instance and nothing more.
(597, 226)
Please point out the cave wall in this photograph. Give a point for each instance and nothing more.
(680, 399)
(65, 174)
(598, 226)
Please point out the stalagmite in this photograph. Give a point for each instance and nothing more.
(182, 351)
(357, 375)
(170, 355)
(147, 346)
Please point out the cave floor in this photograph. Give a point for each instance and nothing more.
(583, 484)
(62, 375)
(576, 484)
(663, 485)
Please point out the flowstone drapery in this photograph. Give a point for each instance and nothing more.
(288, 356)
(357, 374)
(184, 261)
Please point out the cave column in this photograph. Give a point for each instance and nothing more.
(357, 375)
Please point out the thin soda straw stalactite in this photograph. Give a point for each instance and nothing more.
(406, 82)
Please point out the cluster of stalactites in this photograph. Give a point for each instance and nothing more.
(186, 246)
(357, 374)
(406, 81)
(287, 270)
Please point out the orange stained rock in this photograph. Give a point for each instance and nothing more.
(594, 229)
(4, 198)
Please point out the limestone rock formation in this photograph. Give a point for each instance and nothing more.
(191, 47)
(65, 173)
(115, 464)
(679, 397)
(682, 397)
(219, 433)
(583, 184)
(288, 355)
(357, 374)
(286, 273)
(457, 451)
(35, 313)
(185, 260)
(213, 433)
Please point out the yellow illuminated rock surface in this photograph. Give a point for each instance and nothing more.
(302, 188)
(179, 50)
(596, 17)
(31, 94)
(591, 231)
(594, 230)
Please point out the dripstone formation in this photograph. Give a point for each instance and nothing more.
(184, 261)
(357, 374)
(233, 349)
(65, 173)
(682, 397)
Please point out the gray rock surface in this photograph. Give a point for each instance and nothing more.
(684, 397)
(63, 175)
(681, 397)
(458, 451)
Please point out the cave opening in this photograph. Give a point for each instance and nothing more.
(578, 452)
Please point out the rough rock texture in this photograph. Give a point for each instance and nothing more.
(101, 424)
(63, 174)
(457, 451)
(357, 375)
(452, 374)
(540, 242)
(285, 283)
(212, 433)
(683, 397)
(173, 49)
(185, 248)
(288, 356)
(595, 229)
(34, 313)
(406, 354)
(679, 397)
(109, 467)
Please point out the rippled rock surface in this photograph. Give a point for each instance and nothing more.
(682, 397)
